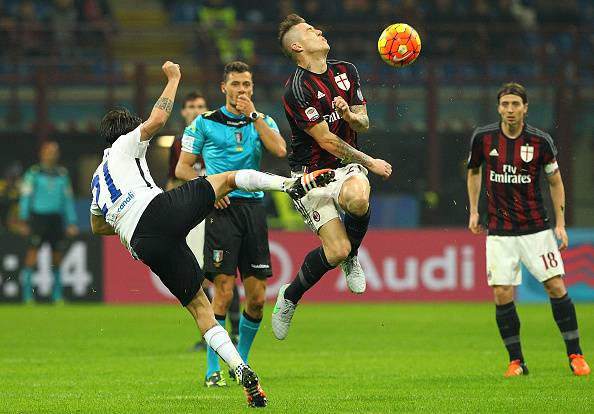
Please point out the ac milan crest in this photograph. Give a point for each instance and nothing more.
(342, 81)
(526, 153)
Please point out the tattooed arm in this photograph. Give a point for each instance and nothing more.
(346, 153)
(355, 116)
(164, 104)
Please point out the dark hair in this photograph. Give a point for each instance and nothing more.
(237, 66)
(192, 96)
(116, 123)
(512, 88)
(286, 25)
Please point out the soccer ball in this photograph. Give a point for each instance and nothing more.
(399, 45)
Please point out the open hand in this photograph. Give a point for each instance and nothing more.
(222, 203)
(245, 105)
(561, 235)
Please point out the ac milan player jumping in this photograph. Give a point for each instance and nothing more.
(513, 154)
(325, 109)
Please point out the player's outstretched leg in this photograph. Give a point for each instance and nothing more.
(252, 180)
(566, 319)
(218, 339)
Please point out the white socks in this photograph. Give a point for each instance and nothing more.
(252, 180)
(218, 339)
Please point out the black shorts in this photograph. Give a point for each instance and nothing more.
(159, 239)
(47, 228)
(237, 237)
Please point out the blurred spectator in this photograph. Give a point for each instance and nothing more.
(63, 20)
(29, 29)
(7, 26)
(9, 198)
(219, 20)
(441, 14)
(48, 215)
(96, 24)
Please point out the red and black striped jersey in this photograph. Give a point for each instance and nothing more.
(175, 152)
(512, 174)
(308, 100)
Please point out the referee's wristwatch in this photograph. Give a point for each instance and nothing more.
(254, 115)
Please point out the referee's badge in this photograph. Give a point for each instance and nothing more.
(526, 153)
(217, 257)
(238, 137)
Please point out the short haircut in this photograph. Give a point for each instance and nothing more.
(237, 66)
(192, 96)
(116, 123)
(513, 88)
(289, 22)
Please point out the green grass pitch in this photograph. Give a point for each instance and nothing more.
(355, 358)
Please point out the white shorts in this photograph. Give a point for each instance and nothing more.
(320, 205)
(538, 252)
(195, 240)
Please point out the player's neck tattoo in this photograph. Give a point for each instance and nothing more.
(165, 104)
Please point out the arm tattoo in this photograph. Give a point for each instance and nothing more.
(361, 121)
(164, 104)
(349, 154)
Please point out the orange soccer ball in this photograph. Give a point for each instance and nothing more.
(399, 45)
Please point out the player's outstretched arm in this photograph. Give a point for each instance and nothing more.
(474, 189)
(162, 109)
(100, 227)
(340, 149)
(557, 191)
(355, 116)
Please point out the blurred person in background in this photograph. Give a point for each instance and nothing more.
(194, 104)
(513, 154)
(231, 138)
(47, 211)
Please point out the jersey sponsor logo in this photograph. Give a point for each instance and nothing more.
(312, 113)
(333, 117)
(494, 153)
(527, 153)
(342, 81)
(129, 197)
(321, 94)
(509, 176)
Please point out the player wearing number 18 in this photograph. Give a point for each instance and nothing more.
(513, 153)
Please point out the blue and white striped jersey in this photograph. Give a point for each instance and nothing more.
(122, 185)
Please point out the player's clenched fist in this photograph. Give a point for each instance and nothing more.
(171, 70)
(342, 107)
(381, 168)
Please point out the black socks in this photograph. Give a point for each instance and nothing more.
(314, 266)
(564, 315)
(509, 328)
(356, 227)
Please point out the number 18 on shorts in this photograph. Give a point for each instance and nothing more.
(538, 252)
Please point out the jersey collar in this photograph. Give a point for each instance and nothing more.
(230, 114)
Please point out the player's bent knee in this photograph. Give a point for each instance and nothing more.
(338, 251)
(555, 287)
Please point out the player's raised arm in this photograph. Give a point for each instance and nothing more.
(340, 149)
(162, 109)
